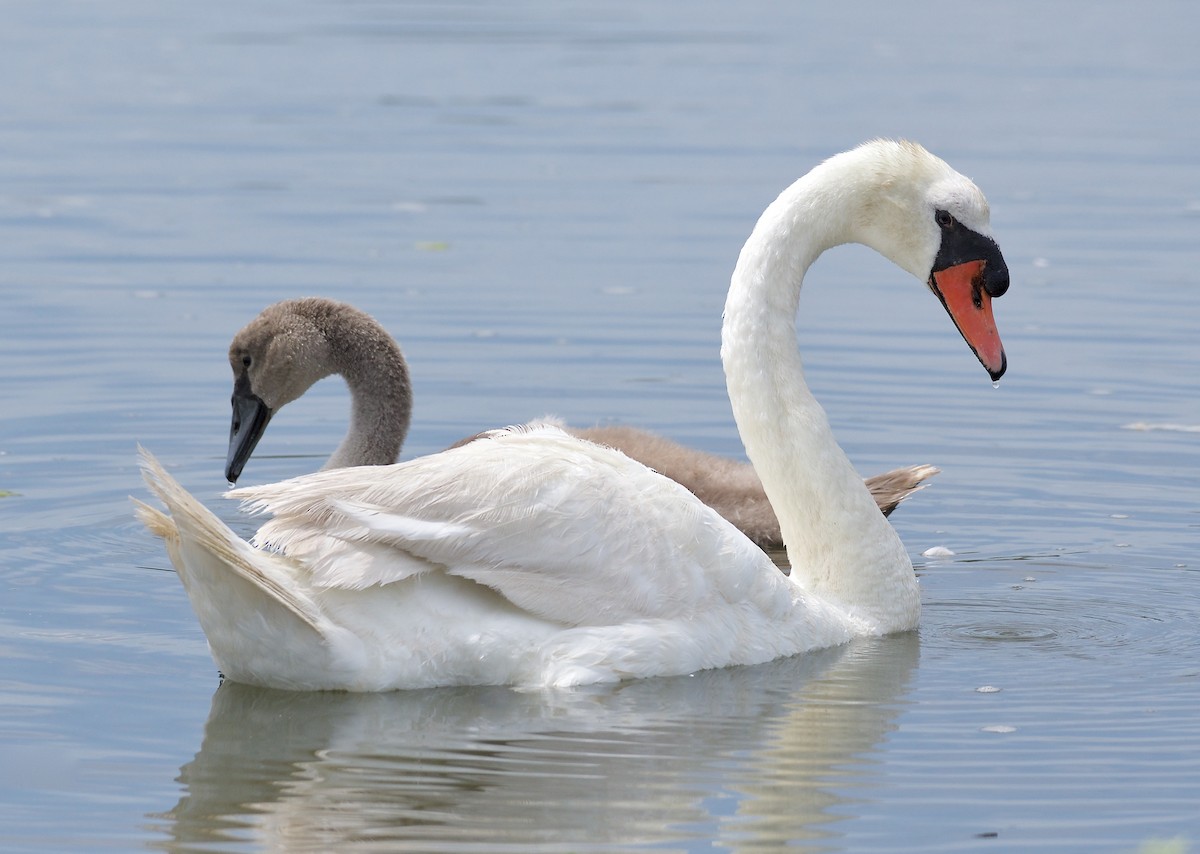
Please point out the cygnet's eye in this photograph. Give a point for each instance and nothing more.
(944, 219)
(246, 360)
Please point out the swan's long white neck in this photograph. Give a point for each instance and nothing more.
(839, 544)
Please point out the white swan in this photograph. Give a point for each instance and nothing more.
(533, 558)
(292, 344)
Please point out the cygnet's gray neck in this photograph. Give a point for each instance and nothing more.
(381, 394)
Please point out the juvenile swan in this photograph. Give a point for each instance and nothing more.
(292, 344)
(288, 347)
(533, 558)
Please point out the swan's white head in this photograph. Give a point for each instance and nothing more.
(935, 223)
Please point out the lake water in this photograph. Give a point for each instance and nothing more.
(543, 202)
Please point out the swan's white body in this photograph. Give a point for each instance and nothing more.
(490, 563)
(533, 558)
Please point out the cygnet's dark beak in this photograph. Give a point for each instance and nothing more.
(250, 419)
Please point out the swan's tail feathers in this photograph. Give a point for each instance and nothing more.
(157, 522)
(890, 488)
(160, 525)
(199, 543)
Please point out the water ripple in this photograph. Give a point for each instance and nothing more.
(1081, 617)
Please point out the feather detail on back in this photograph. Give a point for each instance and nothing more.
(505, 518)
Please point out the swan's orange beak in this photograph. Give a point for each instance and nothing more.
(961, 290)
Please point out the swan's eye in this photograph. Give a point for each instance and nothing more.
(246, 361)
(944, 219)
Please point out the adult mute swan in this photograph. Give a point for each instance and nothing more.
(292, 344)
(533, 558)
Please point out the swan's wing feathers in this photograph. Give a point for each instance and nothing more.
(309, 523)
(540, 562)
(529, 512)
(534, 517)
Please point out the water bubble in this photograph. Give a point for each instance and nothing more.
(998, 728)
(995, 383)
(937, 551)
(1145, 427)
(987, 689)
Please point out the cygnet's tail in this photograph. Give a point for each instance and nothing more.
(890, 488)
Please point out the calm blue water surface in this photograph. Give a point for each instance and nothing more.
(543, 202)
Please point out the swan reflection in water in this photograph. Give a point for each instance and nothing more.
(747, 755)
